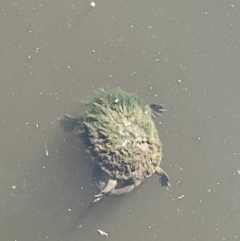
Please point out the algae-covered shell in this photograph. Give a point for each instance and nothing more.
(120, 134)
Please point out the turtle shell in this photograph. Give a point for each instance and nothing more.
(120, 135)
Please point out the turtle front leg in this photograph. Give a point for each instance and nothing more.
(155, 109)
(67, 122)
(164, 179)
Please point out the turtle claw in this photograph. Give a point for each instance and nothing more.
(108, 188)
(157, 109)
(97, 199)
(99, 195)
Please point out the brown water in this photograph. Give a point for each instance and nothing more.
(184, 54)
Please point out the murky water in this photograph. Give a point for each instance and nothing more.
(184, 54)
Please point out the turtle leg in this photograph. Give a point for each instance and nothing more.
(124, 190)
(103, 183)
(116, 191)
(110, 185)
(67, 122)
(155, 109)
(164, 179)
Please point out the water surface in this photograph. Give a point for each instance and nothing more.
(184, 55)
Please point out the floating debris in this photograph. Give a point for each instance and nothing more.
(178, 182)
(238, 172)
(46, 150)
(181, 197)
(180, 168)
(102, 233)
(93, 4)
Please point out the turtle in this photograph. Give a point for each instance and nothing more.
(118, 131)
